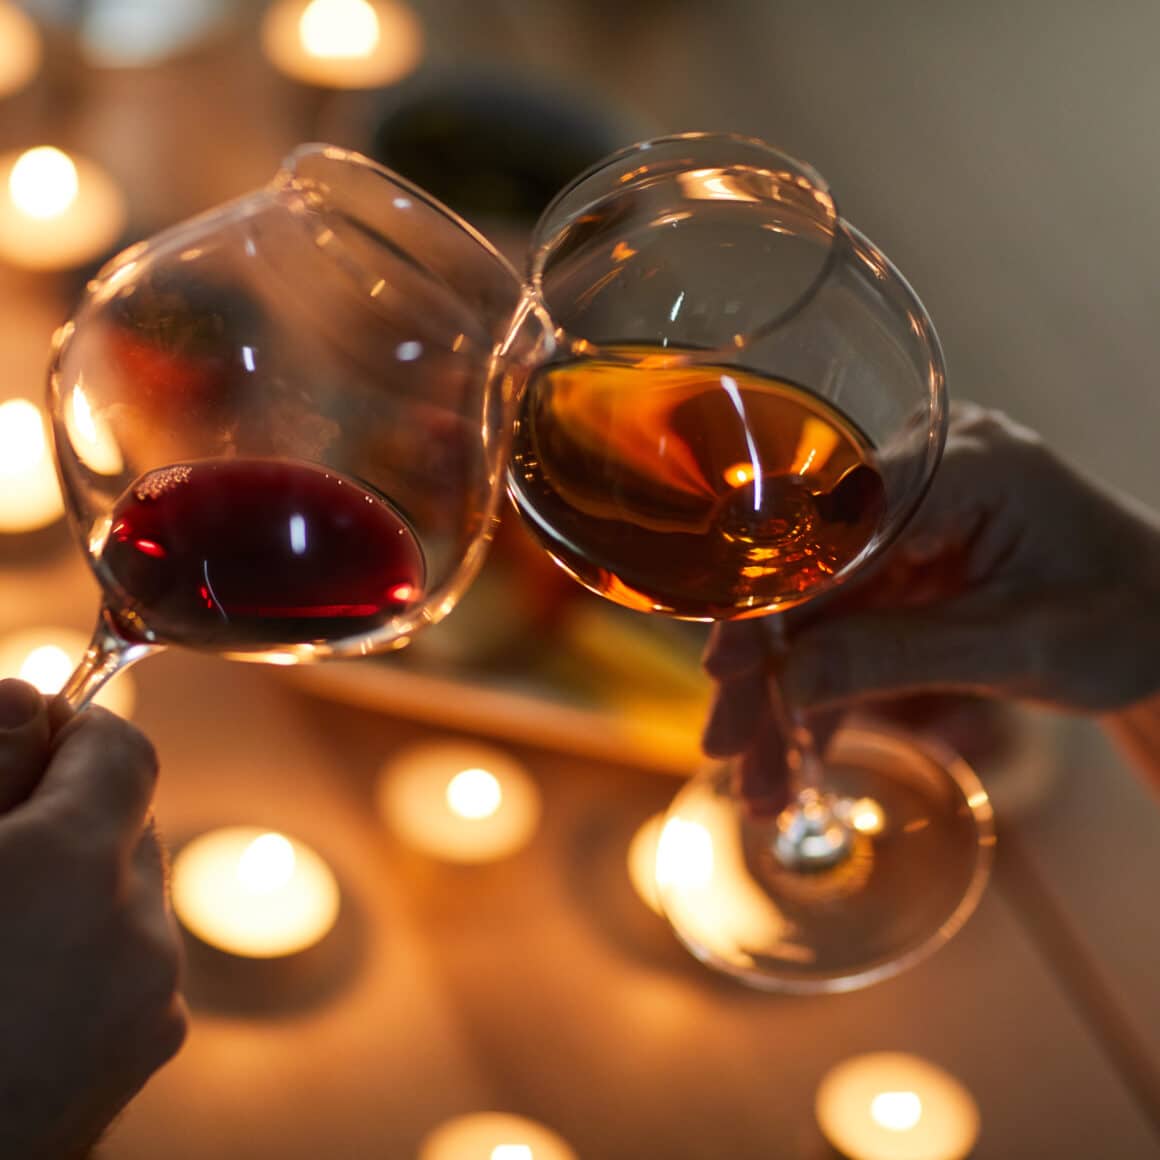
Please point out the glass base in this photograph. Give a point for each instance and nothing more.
(921, 839)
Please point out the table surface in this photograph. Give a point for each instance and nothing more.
(541, 985)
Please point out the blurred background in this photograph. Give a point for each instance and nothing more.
(1005, 157)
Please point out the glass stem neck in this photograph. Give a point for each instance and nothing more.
(108, 653)
(809, 834)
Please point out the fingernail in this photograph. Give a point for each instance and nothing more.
(19, 703)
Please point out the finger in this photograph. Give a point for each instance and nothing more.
(760, 772)
(736, 648)
(101, 775)
(25, 741)
(875, 655)
(735, 714)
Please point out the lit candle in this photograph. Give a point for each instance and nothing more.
(342, 44)
(56, 212)
(254, 893)
(29, 493)
(494, 1136)
(20, 49)
(891, 1106)
(459, 801)
(45, 657)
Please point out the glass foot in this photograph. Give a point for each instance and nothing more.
(859, 883)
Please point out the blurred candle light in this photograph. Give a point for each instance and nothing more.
(20, 49)
(892, 1106)
(342, 44)
(459, 801)
(45, 657)
(56, 212)
(254, 893)
(29, 493)
(494, 1136)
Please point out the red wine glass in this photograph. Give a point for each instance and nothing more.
(281, 426)
(742, 404)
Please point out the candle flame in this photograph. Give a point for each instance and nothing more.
(47, 668)
(512, 1152)
(896, 1111)
(474, 794)
(684, 855)
(43, 182)
(266, 864)
(866, 816)
(339, 29)
(23, 444)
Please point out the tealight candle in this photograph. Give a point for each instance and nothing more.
(459, 801)
(254, 893)
(45, 657)
(56, 212)
(892, 1106)
(20, 49)
(29, 493)
(494, 1136)
(342, 44)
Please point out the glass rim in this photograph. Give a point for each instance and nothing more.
(288, 178)
(541, 249)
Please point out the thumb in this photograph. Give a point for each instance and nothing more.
(885, 654)
(25, 741)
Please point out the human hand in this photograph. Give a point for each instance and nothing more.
(90, 958)
(1017, 577)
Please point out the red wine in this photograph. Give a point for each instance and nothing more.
(244, 553)
(705, 492)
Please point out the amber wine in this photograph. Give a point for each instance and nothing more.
(705, 492)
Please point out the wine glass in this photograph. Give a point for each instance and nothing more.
(281, 427)
(741, 403)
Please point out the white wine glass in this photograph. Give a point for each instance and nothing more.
(741, 405)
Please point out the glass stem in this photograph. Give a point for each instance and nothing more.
(809, 835)
(108, 653)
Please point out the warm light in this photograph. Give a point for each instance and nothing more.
(740, 474)
(59, 212)
(29, 493)
(253, 893)
(89, 436)
(266, 864)
(898, 1111)
(43, 182)
(891, 1106)
(815, 446)
(339, 28)
(684, 856)
(474, 793)
(866, 816)
(459, 801)
(343, 44)
(494, 1136)
(706, 891)
(20, 49)
(45, 657)
(642, 862)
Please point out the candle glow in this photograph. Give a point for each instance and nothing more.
(58, 212)
(892, 1106)
(29, 493)
(254, 893)
(45, 657)
(20, 49)
(342, 44)
(494, 1136)
(459, 801)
